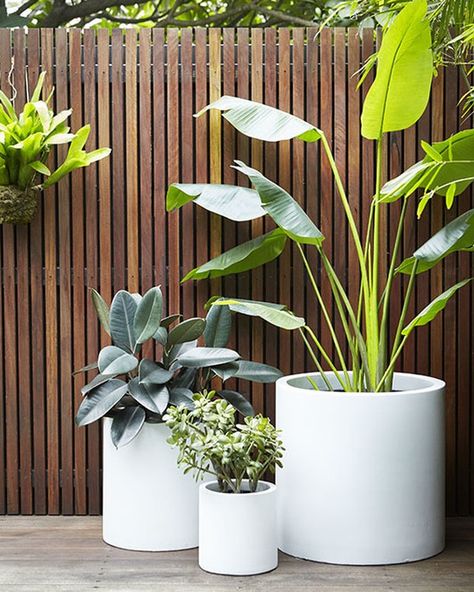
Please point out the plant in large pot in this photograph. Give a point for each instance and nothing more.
(131, 392)
(237, 510)
(26, 140)
(363, 480)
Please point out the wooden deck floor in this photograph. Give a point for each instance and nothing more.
(49, 554)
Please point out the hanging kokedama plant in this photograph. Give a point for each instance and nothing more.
(25, 142)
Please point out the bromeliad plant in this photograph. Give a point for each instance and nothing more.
(210, 442)
(395, 101)
(133, 389)
(25, 143)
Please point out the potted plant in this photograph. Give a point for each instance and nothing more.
(25, 143)
(132, 391)
(363, 481)
(237, 510)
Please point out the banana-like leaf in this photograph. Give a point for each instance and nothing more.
(235, 203)
(122, 315)
(458, 235)
(401, 89)
(113, 360)
(150, 372)
(263, 122)
(248, 255)
(266, 311)
(148, 315)
(218, 326)
(256, 372)
(96, 381)
(102, 310)
(238, 401)
(205, 357)
(283, 209)
(188, 330)
(153, 397)
(126, 425)
(434, 308)
(100, 401)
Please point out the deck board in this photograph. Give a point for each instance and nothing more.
(48, 554)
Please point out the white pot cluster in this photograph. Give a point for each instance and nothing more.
(362, 483)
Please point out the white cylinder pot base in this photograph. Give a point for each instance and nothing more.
(149, 505)
(363, 475)
(237, 531)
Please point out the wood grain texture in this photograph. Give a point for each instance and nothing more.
(106, 227)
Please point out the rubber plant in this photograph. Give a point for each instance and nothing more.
(395, 101)
(26, 140)
(132, 388)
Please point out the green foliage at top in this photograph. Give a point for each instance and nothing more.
(210, 442)
(27, 138)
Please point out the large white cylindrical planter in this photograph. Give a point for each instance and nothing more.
(237, 531)
(363, 475)
(149, 505)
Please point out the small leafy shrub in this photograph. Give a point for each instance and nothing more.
(209, 441)
(133, 389)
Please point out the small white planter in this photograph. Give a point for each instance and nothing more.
(363, 475)
(237, 531)
(149, 505)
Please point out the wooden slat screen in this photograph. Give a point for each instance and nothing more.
(106, 227)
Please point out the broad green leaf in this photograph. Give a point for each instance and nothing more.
(431, 151)
(235, 203)
(404, 183)
(38, 88)
(100, 401)
(458, 235)
(434, 307)
(102, 310)
(283, 209)
(177, 350)
(8, 106)
(126, 425)
(186, 378)
(43, 113)
(40, 167)
(122, 315)
(218, 326)
(150, 372)
(238, 401)
(69, 165)
(113, 360)
(266, 311)
(79, 141)
(204, 357)
(263, 122)
(248, 255)
(188, 330)
(148, 315)
(56, 139)
(91, 366)
(59, 118)
(226, 371)
(181, 396)
(450, 193)
(161, 335)
(401, 89)
(153, 397)
(256, 372)
(168, 321)
(99, 379)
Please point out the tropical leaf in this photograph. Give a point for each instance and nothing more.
(113, 360)
(153, 397)
(122, 315)
(248, 255)
(100, 401)
(434, 307)
(96, 381)
(126, 425)
(256, 372)
(226, 371)
(263, 122)
(236, 203)
(401, 89)
(166, 322)
(161, 335)
(181, 396)
(102, 310)
(283, 209)
(204, 357)
(458, 235)
(188, 330)
(238, 401)
(266, 311)
(148, 315)
(150, 372)
(91, 366)
(218, 326)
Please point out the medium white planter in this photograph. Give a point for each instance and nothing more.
(237, 531)
(149, 505)
(363, 475)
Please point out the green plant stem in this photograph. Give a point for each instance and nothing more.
(326, 357)
(389, 371)
(388, 291)
(325, 313)
(315, 360)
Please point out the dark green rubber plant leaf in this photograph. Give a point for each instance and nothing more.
(282, 208)
(153, 397)
(181, 396)
(218, 326)
(148, 315)
(456, 236)
(98, 379)
(126, 425)
(113, 360)
(100, 401)
(122, 315)
(166, 322)
(226, 371)
(239, 204)
(238, 401)
(204, 357)
(102, 310)
(150, 372)
(256, 372)
(244, 257)
(188, 330)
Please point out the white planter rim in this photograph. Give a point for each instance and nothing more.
(263, 488)
(422, 385)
